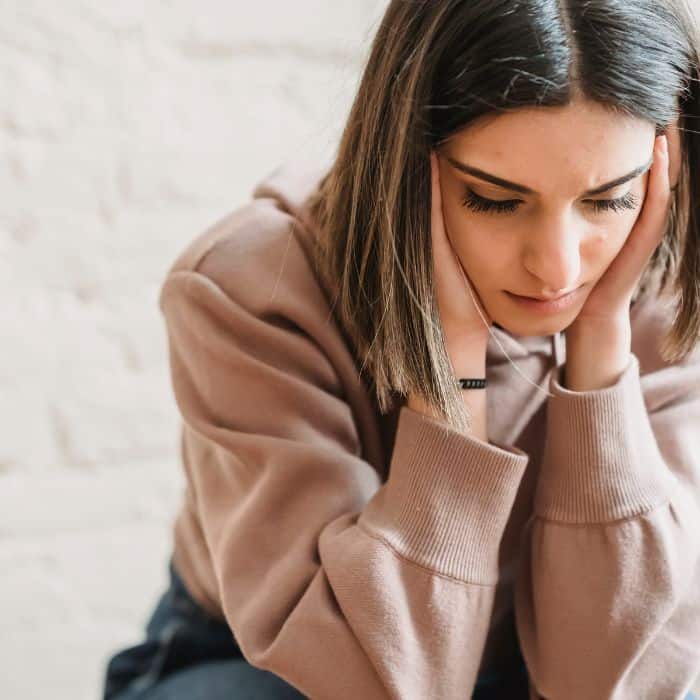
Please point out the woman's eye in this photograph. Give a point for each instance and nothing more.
(505, 206)
(480, 204)
(628, 201)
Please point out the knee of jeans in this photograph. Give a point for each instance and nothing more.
(125, 665)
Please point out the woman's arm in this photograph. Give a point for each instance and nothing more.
(344, 586)
(607, 602)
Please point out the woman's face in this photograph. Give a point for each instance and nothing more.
(559, 235)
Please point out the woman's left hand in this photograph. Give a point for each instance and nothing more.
(598, 342)
(608, 304)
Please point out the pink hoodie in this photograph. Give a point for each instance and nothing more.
(360, 555)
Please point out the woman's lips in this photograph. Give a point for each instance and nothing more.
(552, 306)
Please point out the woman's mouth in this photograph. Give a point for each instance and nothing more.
(547, 307)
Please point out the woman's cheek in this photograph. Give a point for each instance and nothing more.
(606, 243)
(470, 239)
(485, 255)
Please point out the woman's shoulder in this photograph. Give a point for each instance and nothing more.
(247, 316)
(259, 253)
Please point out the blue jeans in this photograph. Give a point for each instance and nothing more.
(189, 655)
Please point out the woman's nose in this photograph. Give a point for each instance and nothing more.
(552, 254)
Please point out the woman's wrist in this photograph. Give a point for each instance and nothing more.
(468, 362)
(416, 403)
(475, 403)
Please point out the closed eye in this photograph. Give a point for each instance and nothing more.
(479, 204)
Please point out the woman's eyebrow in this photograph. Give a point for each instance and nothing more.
(470, 170)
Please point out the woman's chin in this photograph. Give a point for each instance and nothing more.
(521, 328)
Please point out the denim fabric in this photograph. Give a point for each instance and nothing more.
(189, 655)
(513, 684)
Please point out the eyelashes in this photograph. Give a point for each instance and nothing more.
(479, 204)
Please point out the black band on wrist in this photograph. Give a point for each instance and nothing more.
(472, 383)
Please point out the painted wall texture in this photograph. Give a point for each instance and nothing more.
(125, 129)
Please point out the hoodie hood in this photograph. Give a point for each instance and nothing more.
(291, 185)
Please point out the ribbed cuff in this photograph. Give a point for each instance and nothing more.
(601, 461)
(447, 499)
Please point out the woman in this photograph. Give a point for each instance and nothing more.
(357, 522)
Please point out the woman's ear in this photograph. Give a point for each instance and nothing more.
(674, 153)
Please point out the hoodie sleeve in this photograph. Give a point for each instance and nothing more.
(344, 586)
(607, 595)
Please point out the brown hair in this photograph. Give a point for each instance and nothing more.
(435, 67)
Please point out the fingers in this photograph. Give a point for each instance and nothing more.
(674, 154)
(441, 246)
(440, 235)
(650, 227)
(658, 195)
(452, 282)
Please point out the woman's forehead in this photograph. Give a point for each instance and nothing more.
(585, 147)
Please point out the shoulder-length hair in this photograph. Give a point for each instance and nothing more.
(433, 68)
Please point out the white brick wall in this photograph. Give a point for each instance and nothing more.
(125, 129)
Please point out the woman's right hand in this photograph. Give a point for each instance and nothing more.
(466, 334)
